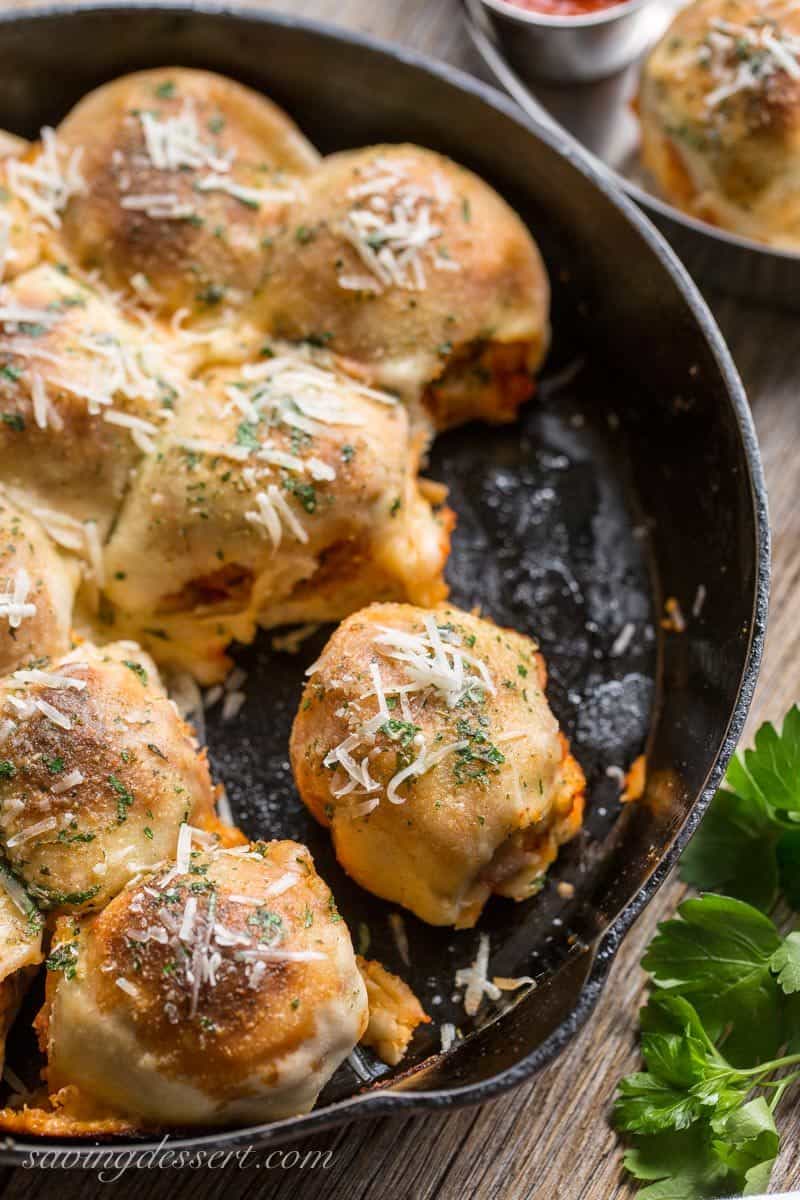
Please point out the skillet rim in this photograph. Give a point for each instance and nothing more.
(387, 1102)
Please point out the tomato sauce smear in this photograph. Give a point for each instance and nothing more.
(564, 8)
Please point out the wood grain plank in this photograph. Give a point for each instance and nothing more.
(551, 1137)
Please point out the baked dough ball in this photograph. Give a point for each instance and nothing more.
(417, 269)
(37, 589)
(720, 112)
(186, 175)
(82, 393)
(97, 774)
(284, 492)
(425, 742)
(220, 990)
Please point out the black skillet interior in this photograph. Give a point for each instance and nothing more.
(633, 476)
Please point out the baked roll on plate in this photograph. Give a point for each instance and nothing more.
(719, 104)
(425, 742)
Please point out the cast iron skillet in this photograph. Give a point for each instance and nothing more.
(633, 477)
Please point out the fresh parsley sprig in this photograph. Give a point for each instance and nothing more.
(721, 1029)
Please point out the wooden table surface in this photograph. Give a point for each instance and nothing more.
(550, 1139)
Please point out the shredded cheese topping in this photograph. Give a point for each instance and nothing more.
(433, 660)
(206, 948)
(744, 56)
(395, 227)
(436, 659)
(98, 365)
(475, 979)
(46, 185)
(447, 1034)
(14, 604)
(297, 396)
(173, 143)
(272, 515)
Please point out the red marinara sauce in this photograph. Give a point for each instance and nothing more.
(564, 8)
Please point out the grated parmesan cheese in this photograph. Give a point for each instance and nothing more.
(47, 184)
(398, 927)
(94, 552)
(474, 979)
(289, 643)
(32, 831)
(73, 779)
(159, 206)
(184, 849)
(447, 1035)
(509, 984)
(16, 893)
(392, 225)
(273, 514)
(49, 679)
(126, 986)
(232, 705)
(14, 604)
(699, 600)
(431, 662)
(623, 639)
(743, 56)
(53, 714)
(252, 197)
(173, 143)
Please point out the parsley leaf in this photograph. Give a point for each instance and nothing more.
(700, 1162)
(786, 963)
(773, 766)
(734, 852)
(247, 435)
(136, 667)
(63, 957)
(787, 853)
(125, 798)
(749, 842)
(717, 955)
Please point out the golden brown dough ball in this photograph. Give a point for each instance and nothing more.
(222, 989)
(284, 492)
(82, 394)
(419, 271)
(425, 742)
(97, 774)
(720, 113)
(37, 589)
(186, 175)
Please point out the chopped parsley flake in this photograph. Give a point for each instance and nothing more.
(136, 667)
